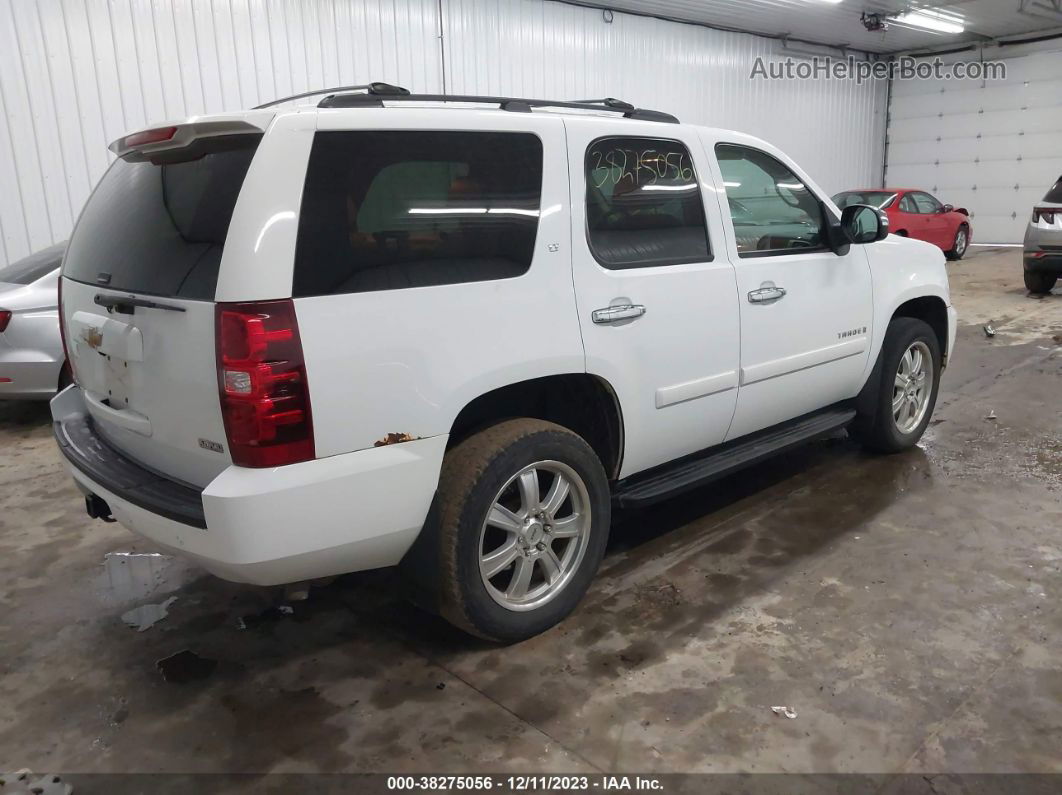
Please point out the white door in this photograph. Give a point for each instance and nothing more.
(806, 312)
(654, 287)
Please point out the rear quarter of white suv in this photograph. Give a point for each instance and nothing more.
(325, 339)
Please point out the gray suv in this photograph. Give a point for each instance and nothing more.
(1042, 262)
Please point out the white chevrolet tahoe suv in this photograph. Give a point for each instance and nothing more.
(451, 333)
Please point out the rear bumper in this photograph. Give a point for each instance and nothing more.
(351, 512)
(1035, 259)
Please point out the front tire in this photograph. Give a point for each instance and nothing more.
(894, 414)
(961, 243)
(1040, 282)
(523, 518)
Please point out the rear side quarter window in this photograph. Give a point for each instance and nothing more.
(643, 204)
(394, 209)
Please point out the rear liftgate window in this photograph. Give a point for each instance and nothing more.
(387, 210)
(159, 227)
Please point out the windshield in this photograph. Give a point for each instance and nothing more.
(28, 269)
(875, 198)
(159, 228)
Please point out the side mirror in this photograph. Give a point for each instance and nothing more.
(948, 208)
(862, 223)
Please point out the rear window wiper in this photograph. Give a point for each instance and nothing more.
(125, 304)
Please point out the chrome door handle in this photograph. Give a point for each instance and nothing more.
(612, 314)
(765, 294)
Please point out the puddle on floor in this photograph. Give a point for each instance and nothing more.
(185, 666)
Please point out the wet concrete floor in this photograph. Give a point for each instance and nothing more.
(907, 608)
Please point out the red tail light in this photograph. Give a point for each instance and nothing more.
(265, 400)
(5, 318)
(1046, 213)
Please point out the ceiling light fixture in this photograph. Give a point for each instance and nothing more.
(929, 19)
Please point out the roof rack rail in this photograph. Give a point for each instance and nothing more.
(375, 89)
(514, 104)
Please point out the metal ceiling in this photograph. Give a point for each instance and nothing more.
(837, 22)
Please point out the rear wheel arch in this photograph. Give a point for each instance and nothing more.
(583, 403)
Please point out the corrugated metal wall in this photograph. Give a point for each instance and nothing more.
(993, 147)
(76, 74)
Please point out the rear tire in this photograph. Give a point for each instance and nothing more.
(1040, 282)
(523, 518)
(959, 246)
(898, 406)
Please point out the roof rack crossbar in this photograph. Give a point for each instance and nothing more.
(373, 89)
(513, 104)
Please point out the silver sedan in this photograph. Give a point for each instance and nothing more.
(32, 361)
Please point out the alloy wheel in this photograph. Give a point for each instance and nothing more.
(535, 535)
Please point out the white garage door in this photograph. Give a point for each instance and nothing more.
(994, 147)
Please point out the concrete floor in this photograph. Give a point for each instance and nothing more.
(907, 608)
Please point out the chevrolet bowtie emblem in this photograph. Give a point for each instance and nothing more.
(93, 338)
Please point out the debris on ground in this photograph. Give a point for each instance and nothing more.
(789, 713)
(185, 666)
(132, 576)
(146, 616)
(24, 782)
(989, 331)
(286, 610)
(991, 415)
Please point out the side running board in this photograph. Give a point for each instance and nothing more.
(659, 483)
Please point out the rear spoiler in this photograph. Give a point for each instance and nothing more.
(143, 144)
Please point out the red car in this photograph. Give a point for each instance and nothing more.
(914, 213)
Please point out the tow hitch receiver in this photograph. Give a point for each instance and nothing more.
(97, 508)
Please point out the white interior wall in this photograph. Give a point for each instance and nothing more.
(993, 147)
(76, 74)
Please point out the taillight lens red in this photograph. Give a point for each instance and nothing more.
(265, 400)
(5, 318)
(1045, 213)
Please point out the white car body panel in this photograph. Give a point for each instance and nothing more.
(257, 262)
(160, 383)
(703, 365)
(383, 378)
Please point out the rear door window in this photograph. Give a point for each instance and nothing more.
(393, 209)
(158, 228)
(643, 204)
